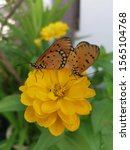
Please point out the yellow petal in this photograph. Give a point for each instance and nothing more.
(47, 120)
(26, 100)
(74, 126)
(63, 76)
(52, 96)
(80, 91)
(69, 119)
(23, 88)
(57, 128)
(54, 76)
(37, 106)
(29, 114)
(36, 92)
(49, 106)
(82, 107)
(67, 107)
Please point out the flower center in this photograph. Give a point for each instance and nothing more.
(59, 91)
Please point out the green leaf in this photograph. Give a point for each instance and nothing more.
(73, 141)
(93, 139)
(46, 140)
(107, 138)
(60, 13)
(54, 8)
(109, 85)
(82, 139)
(101, 114)
(11, 103)
(22, 137)
(10, 141)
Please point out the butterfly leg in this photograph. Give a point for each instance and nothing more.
(35, 75)
(42, 73)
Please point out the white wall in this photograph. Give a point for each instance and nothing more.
(96, 21)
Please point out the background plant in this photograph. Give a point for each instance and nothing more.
(18, 47)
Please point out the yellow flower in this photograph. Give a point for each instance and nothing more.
(38, 41)
(54, 30)
(55, 99)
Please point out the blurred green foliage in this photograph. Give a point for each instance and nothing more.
(95, 132)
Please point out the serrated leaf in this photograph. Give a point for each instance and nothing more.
(11, 103)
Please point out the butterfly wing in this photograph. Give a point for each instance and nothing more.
(72, 61)
(84, 56)
(87, 54)
(56, 55)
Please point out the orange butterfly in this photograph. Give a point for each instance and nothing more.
(55, 56)
(82, 58)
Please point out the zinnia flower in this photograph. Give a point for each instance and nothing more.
(54, 30)
(55, 99)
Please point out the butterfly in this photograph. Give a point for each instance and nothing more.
(55, 56)
(83, 56)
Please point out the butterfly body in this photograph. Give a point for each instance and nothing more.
(61, 54)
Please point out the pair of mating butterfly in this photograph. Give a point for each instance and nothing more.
(61, 54)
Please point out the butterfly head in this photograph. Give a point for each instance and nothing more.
(38, 67)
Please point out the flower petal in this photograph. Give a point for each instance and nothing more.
(29, 114)
(63, 76)
(80, 91)
(49, 106)
(37, 106)
(67, 107)
(47, 120)
(69, 119)
(38, 93)
(74, 126)
(57, 128)
(26, 100)
(23, 88)
(82, 107)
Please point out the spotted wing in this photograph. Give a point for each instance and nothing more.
(87, 54)
(56, 55)
(55, 60)
(84, 56)
(72, 61)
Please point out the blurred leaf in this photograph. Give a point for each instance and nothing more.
(101, 114)
(22, 137)
(109, 84)
(54, 8)
(93, 139)
(82, 139)
(11, 103)
(62, 10)
(107, 140)
(46, 140)
(97, 78)
(11, 118)
(74, 141)
(53, 147)
(10, 141)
